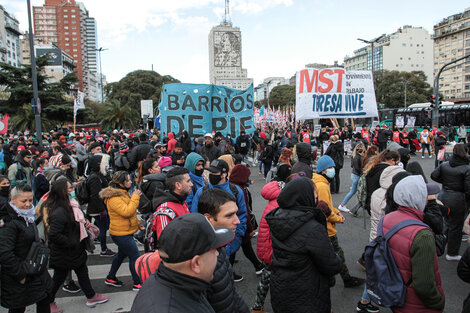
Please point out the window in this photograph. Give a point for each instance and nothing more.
(403, 44)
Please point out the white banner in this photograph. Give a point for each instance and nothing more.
(334, 93)
(400, 121)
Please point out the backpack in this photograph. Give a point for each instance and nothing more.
(147, 264)
(20, 175)
(81, 192)
(362, 191)
(384, 282)
(37, 259)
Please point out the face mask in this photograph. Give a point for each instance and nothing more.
(330, 172)
(217, 141)
(214, 179)
(47, 168)
(199, 172)
(72, 195)
(5, 190)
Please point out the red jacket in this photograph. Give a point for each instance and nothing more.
(165, 213)
(171, 143)
(400, 245)
(264, 248)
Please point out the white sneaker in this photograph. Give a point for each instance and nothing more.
(422, 157)
(430, 156)
(342, 208)
(453, 257)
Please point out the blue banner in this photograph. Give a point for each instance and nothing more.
(201, 109)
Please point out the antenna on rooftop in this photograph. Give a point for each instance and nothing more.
(227, 13)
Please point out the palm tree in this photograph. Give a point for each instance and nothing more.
(119, 116)
(24, 119)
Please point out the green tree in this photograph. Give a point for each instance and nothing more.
(136, 86)
(118, 116)
(282, 95)
(390, 88)
(24, 119)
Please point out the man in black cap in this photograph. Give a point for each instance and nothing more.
(188, 249)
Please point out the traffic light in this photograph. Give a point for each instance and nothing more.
(432, 99)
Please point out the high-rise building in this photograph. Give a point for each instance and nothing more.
(225, 55)
(10, 51)
(66, 23)
(408, 49)
(262, 91)
(452, 41)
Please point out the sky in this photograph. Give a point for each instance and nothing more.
(278, 36)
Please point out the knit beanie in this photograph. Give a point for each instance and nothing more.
(324, 162)
(164, 162)
(191, 160)
(240, 174)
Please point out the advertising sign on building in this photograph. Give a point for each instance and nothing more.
(146, 108)
(55, 55)
(334, 93)
(201, 109)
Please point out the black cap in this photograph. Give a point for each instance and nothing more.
(190, 235)
(218, 166)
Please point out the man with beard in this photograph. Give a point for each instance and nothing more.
(172, 203)
(209, 150)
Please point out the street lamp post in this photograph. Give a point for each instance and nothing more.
(405, 82)
(101, 73)
(435, 111)
(34, 102)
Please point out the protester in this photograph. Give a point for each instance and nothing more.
(20, 171)
(439, 144)
(301, 266)
(454, 175)
(243, 144)
(17, 233)
(336, 152)
(462, 133)
(356, 165)
(304, 153)
(188, 249)
(425, 139)
(209, 150)
(122, 210)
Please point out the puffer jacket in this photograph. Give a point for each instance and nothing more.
(324, 194)
(95, 182)
(150, 183)
(16, 237)
(300, 265)
(264, 247)
(222, 295)
(336, 152)
(122, 210)
(378, 200)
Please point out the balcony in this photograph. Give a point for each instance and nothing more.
(13, 28)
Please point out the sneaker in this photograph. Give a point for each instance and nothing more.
(342, 208)
(260, 173)
(237, 278)
(139, 239)
(354, 214)
(353, 282)
(259, 269)
(136, 287)
(97, 299)
(113, 282)
(71, 287)
(256, 234)
(55, 308)
(107, 253)
(453, 257)
(361, 263)
(258, 310)
(368, 307)
(430, 156)
(422, 157)
(464, 237)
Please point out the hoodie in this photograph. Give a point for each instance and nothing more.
(378, 200)
(169, 206)
(301, 265)
(198, 181)
(411, 192)
(171, 143)
(304, 153)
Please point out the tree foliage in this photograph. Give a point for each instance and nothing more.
(279, 96)
(136, 86)
(118, 116)
(390, 88)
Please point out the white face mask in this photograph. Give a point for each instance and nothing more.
(330, 172)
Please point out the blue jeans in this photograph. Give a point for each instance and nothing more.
(352, 191)
(103, 225)
(365, 296)
(425, 146)
(126, 248)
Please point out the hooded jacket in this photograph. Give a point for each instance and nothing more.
(336, 152)
(264, 247)
(96, 181)
(211, 152)
(378, 200)
(169, 206)
(122, 211)
(171, 143)
(324, 194)
(186, 142)
(304, 153)
(373, 181)
(150, 183)
(198, 181)
(303, 257)
(139, 153)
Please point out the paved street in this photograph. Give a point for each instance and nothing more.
(352, 237)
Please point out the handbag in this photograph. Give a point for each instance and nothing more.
(37, 258)
(93, 231)
(89, 243)
(441, 154)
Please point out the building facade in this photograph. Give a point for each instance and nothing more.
(225, 57)
(10, 50)
(262, 91)
(452, 41)
(67, 24)
(406, 50)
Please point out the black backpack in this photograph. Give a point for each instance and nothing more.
(37, 259)
(81, 192)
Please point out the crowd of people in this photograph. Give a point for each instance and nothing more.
(187, 200)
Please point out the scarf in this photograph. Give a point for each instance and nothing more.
(27, 215)
(79, 217)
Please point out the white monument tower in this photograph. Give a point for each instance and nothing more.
(225, 55)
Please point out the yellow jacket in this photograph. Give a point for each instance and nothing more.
(323, 189)
(122, 211)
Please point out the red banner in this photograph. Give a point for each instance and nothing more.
(4, 125)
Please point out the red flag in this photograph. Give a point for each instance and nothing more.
(4, 124)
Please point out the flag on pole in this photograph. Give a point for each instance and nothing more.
(4, 124)
(78, 103)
